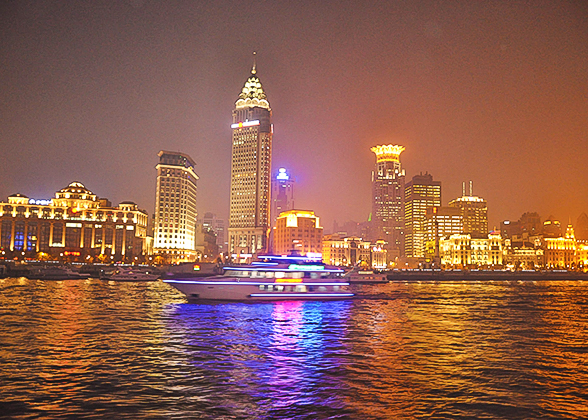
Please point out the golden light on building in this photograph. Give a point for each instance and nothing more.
(388, 153)
(298, 231)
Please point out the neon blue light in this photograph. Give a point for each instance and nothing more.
(249, 283)
(282, 175)
(295, 258)
(263, 263)
(299, 267)
(272, 269)
(282, 295)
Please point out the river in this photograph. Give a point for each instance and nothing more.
(461, 350)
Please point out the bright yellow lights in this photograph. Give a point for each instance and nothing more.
(288, 281)
(388, 153)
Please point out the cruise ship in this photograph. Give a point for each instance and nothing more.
(270, 278)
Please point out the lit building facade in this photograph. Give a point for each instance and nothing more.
(474, 211)
(420, 193)
(299, 232)
(249, 216)
(561, 252)
(440, 222)
(175, 207)
(347, 251)
(524, 255)
(76, 223)
(463, 250)
(388, 197)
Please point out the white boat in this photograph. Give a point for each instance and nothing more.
(271, 278)
(131, 274)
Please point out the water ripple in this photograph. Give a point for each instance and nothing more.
(489, 350)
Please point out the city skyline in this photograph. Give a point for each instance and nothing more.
(514, 122)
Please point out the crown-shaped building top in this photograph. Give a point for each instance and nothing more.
(252, 93)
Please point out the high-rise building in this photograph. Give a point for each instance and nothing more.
(298, 231)
(175, 207)
(420, 193)
(388, 198)
(440, 222)
(474, 211)
(211, 222)
(249, 217)
(282, 194)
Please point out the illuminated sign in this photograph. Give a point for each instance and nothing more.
(74, 253)
(40, 202)
(282, 175)
(196, 267)
(245, 124)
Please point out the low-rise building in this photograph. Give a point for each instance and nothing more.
(463, 250)
(76, 224)
(346, 251)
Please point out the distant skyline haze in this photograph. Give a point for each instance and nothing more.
(494, 92)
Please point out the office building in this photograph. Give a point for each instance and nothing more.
(465, 250)
(349, 251)
(440, 222)
(75, 224)
(388, 180)
(474, 211)
(175, 207)
(298, 232)
(420, 193)
(252, 128)
(211, 222)
(282, 195)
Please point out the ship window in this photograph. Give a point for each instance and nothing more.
(322, 289)
(261, 287)
(301, 288)
(280, 288)
(269, 275)
(270, 288)
(280, 274)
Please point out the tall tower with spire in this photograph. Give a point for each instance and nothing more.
(250, 169)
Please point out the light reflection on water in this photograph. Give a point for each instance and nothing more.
(496, 349)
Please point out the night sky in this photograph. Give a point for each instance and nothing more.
(492, 91)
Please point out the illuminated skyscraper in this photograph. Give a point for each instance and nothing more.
(474, 211)
(282, 194)
(175, 207)
(420, 193)
(250, 169)
(388, 197)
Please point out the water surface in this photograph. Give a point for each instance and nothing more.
(95, 349)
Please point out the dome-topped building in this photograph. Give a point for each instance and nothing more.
(76, 223)
(76, 195)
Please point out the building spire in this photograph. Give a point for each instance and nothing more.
(254, 69)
